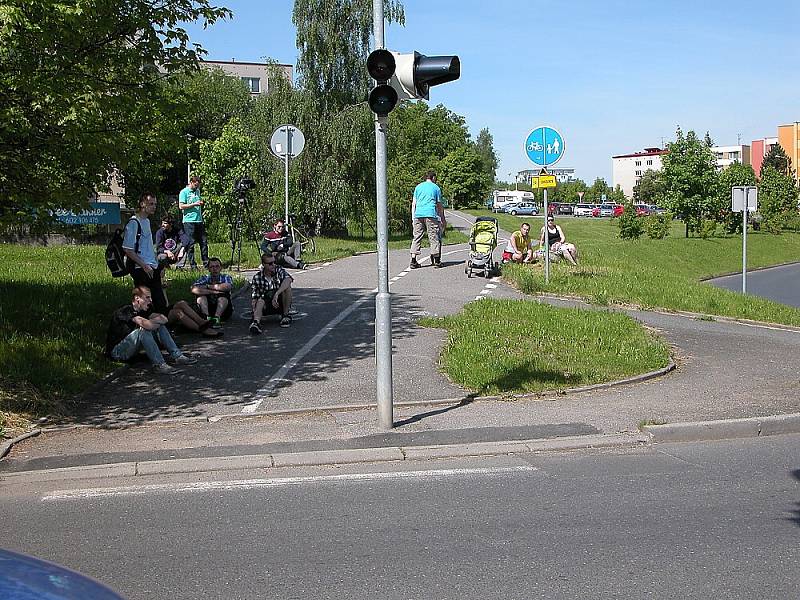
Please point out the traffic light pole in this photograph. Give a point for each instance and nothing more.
(383, 302)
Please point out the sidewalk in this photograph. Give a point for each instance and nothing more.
(320, 408)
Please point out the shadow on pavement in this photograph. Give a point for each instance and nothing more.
(232, 370)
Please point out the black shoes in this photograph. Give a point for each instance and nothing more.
(437, 262)
(414, 264)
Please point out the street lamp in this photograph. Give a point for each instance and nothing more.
(189, 138)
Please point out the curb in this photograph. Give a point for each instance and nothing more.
(724, 429)
(327, 458)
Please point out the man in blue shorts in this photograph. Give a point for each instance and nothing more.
(427, 215)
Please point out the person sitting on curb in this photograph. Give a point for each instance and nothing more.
(558, 244)
(280, 243)
(272, 293)
(213, 293)
(519, 249)
(182, 314)
(170, 244)
(134, 327)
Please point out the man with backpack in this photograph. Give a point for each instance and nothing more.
(140, 252)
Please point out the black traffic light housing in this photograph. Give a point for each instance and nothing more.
(381, 66)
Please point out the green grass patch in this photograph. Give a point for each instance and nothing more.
(658, 273)
(504, 346)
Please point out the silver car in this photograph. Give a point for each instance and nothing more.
(583, 210)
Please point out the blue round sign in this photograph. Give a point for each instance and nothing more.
(544, 146)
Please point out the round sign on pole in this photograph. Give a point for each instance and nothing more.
(544, 146)
(287, 140)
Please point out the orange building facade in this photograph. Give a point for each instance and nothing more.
(789, 139)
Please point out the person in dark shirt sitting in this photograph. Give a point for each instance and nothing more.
(134, 327)
(280, 243)
(170, 244)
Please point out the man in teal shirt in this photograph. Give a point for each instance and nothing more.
(427, 215)
(191, 204)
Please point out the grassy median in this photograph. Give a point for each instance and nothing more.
(504, 346)
(658, 273)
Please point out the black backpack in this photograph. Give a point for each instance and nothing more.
(115, 255)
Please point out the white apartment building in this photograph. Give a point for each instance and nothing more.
(255, 75)
(562, 175)
(727, 155)
(627, 169)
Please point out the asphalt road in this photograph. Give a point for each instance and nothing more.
(698, 520)
(781, 284)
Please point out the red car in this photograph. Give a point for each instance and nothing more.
(642, 210)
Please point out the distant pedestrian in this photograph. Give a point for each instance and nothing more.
(140, 252)
(191, 205)
(427, 214)
(135, 327)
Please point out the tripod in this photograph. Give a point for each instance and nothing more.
(242, 218)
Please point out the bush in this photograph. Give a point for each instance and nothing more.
(657, 226)
(708, 227)
(630, 226)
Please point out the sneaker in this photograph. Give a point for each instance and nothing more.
(302, 266)
(437, 262)
(215, 323)
(165, 369)
(255, 328)
(184, 359)
(414, 264)
(286, 321)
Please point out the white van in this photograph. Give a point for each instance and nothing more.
(502, 197)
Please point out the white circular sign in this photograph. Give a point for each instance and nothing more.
(287, 140)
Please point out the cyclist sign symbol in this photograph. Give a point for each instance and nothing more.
(544, 146)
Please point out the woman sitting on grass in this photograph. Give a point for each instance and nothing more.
(557, 241)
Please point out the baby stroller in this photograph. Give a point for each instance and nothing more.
(482, 242)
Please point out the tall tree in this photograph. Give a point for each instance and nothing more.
(649, 189)
(79, 90)
(777, 198)
(463, 179)
(690, 179)
(597, 190)
(484, 145)
(333, 41)
(734, 175)
(778, 160)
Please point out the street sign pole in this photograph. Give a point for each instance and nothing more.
(744, 247)
(383, 301)
(744, 198)
(546, 214)
(286, 174)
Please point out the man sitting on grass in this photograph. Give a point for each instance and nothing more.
(135, 327)
(213, 293)
(519, 247)
(272, 293)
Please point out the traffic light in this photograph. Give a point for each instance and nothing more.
(381, 67)
(406, 77)
(416, 73)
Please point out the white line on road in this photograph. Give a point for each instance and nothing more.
(251, 484)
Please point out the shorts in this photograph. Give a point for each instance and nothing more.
(268, 308)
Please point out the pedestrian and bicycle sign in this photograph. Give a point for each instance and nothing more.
(544, 146)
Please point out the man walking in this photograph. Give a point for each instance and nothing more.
(194, 228)
(427, 215)
(140, 252)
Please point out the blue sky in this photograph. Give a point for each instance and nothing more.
(613, 77)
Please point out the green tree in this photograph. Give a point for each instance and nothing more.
(79, 91)
(333, 44)
(232, 156)
(778, 160)
(777, 198)
(690, 179)
(463, 178)
(596, 191)
(484, 145)
(649, 189)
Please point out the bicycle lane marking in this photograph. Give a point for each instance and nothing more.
(280, 375)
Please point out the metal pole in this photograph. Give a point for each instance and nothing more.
(383, 301)
(546, 214)
(286, 174)
(744, 244)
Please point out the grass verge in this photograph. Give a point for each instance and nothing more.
(502, 346)
(659, 273)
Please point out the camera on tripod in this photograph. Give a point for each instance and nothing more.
(242, 186)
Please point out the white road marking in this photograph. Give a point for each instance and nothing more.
(403, 273)
(491, 286)
(251, 484)
(484, 292)
(479, 297)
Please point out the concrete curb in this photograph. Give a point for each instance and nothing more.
(325, 458)
(724, 429)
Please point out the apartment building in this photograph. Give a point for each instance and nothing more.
(254, 75)
(627, 169)
(562, 175)
(789, 139)
(727, 155)
(758, 150)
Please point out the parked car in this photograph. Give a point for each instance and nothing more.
(610, 210)
(521, 208)
(657, 210)
(583, 210)
(596, 211)
(642, 210)
(566, 209)
(552, 208)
